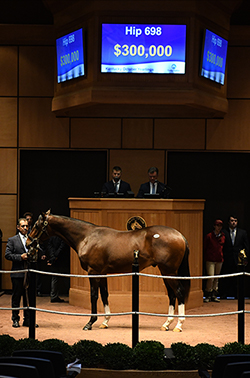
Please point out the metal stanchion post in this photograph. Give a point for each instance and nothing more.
(241, 296)
(32, 302)
(135, 300)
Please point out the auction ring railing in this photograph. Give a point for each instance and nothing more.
(135, 299)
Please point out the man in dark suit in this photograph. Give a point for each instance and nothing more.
(116, 185)
(16, 252)
(235, 240)
(153, 186)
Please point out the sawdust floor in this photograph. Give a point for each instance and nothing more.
(217, 330)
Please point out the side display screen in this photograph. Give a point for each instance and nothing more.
(214, 56)
(70, 56)
(137, 48)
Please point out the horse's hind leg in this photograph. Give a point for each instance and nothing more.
(181, 318)
(175, 290)
(104, 296)
(171, 308)
(94, 286)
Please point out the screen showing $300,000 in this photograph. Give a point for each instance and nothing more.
(137, 48)
(70, 57)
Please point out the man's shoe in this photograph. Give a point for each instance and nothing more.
(57, 299)
(27, 324)
(15, 324)
(215, 299)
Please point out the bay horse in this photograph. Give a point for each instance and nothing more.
(103, 250)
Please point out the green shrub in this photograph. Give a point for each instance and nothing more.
(59, 346)
(186, 357)
(7, 345)
(234, 348)
(118, 356)
(207, 354)
(26, 343)
(149, 355)
(89, 352)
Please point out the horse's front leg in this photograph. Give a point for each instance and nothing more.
(104, 296)
(94, 286)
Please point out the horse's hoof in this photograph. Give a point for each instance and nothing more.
(177, 329)
(88, 327)
(164, 328)
(103, 326)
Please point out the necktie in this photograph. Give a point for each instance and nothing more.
(116, 187)
(233, 236)
(153, 189)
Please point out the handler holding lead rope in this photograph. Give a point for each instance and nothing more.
(17, 252)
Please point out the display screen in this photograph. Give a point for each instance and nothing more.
(137, 48)
(214, 56)
(70, 56)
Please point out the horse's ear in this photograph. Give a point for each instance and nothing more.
(42, 213)
(48, 212)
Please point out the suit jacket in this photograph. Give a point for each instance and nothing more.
(13, 252)
(231, 251)
(109, 187)
(145, 188)
(56, 250)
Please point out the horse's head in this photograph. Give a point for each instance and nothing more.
(242, 257)
(38, 233)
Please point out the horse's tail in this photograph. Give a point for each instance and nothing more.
(184, 271)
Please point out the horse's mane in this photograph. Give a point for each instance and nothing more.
(73, 219)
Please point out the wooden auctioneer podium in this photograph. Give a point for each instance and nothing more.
(181, 214)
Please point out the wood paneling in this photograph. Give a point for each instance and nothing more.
(179, 214)
(135, 165)
(232, 132)
(96, 133)
(179, 133)
(137, 133)
(238, 72)
(6, 265)
(8, 122)
(8, 172)
(39, 127)
(8, 215)
(36, 70)
(8, 69)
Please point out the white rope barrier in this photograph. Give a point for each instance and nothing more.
(125, 313)
(126, 274)
(131, 312)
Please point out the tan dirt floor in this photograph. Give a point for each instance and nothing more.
(217, 330)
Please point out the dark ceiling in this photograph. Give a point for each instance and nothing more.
(35, 12)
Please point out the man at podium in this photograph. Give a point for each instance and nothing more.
(153, 188)
(116, 185)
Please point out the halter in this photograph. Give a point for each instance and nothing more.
(34, 246)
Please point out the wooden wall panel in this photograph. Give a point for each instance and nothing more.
(179, 133)
(8, 122)
(8, 215)
(8, 69)
(36, 70)
(238, 72)
(96, 133)
(8, 172)
(6, 265)
(135, 165)
(232, 132)
(39, 127)
(137, 133)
